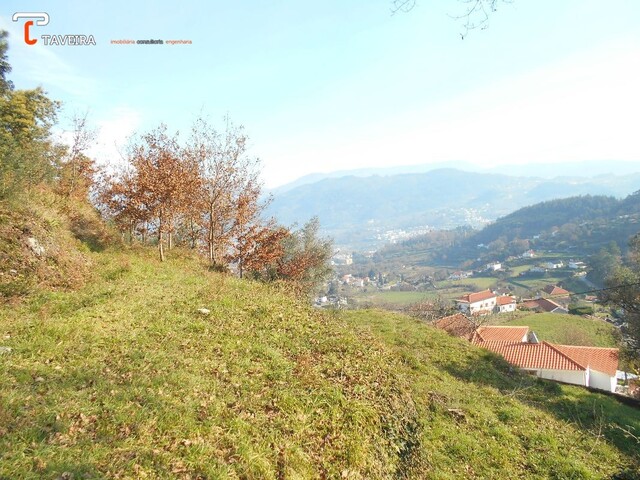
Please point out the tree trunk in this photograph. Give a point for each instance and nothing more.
(210, 239)
(170, 240)
(160, 246)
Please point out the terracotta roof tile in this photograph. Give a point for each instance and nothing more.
(596, 358)
(530, 304)
(555, 290)
(544, 304)
(548, 305)
(499, 334)
(477, 297)
(505, 300)
(533, 355)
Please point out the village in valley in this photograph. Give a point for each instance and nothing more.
(532, 281)
(490, 306)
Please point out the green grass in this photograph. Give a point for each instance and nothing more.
(521, 268)
(477, 283)
(535, 283)
(480, 419)
(125, 379)
(569, 329)
(389, 298)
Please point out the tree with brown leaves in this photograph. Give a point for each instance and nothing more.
(156, 187)
(230, 189)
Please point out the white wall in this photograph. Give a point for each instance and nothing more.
(483, 306)
(602, 381)
(576, 377)
(509, 307)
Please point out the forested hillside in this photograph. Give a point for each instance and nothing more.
(580, 225)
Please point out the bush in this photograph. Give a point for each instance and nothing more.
(580, 309)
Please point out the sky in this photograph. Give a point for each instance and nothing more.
(334, 85)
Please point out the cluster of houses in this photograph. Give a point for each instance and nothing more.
(577, 265)
(341, 259)
(593, 367)
(487, 302)
(541, 268)
(354, 281)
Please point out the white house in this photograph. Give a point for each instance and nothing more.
(479, 303)
(505, 303)
(575, 265)
(586, 366)
(554, 265)
(495, 266)
(528, 254)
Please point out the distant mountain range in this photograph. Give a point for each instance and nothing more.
(543, 170)
(360, 210)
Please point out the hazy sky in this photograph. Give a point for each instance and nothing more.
(331, 85)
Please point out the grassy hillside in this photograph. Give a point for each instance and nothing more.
(124, 378)
(45, 241)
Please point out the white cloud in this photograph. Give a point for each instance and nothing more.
(114, 129)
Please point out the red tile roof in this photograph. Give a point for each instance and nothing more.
(505, 300)
(549, 356)
(457, 325)
(544, 304)
(491, 333)
(555, 290)
(596, 358)
(530, 304)
(548, 305)
(533, 355)
(477, 297)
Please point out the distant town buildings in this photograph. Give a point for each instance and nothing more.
(460, 275)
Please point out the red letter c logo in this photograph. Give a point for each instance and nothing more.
(27, 40)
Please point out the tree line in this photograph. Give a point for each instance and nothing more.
(205, 194)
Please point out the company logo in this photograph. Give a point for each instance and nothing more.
(41, 20)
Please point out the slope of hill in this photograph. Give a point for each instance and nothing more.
(126, 378)
(530, 221)
(354, 210)
(44, 242)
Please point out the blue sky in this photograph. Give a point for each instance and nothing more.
(323, 86)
